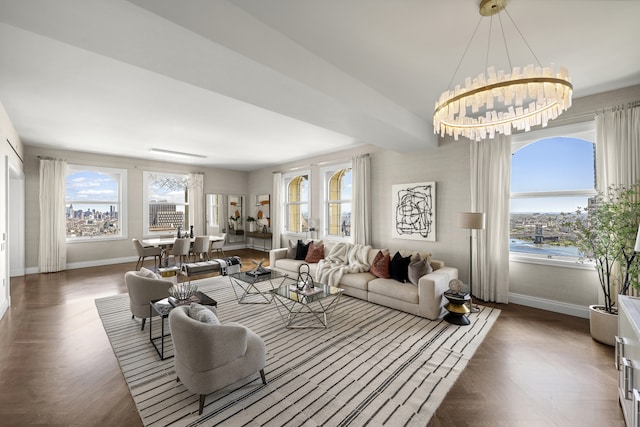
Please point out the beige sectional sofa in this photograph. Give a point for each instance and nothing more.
(424, 300)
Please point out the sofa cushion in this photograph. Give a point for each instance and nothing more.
(356, 280)
(202, 314)
(417, 269)
(301, 250)
(315, 252)
(380, 265)
(399, 266)
(291, 265)
(291, 250)
(393, 289)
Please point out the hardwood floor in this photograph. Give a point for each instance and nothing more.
(535, 368)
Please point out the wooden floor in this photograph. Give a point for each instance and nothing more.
(535, 368)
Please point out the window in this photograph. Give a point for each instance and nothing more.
(95, 206)
(337, 203)
(296, 203)
(166, 207)
(552, 171)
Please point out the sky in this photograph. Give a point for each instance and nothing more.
(91, 187)
(552, 164)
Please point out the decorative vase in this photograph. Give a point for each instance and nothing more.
(252, 226)
(191, 232)
(603, 325)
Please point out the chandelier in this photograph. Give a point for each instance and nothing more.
(497, 101)
(174, 182)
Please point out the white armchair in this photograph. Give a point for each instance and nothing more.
(209, 357)
(142, 290)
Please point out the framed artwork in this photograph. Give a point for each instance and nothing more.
(414, 211)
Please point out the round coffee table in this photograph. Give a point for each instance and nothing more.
(457, 308)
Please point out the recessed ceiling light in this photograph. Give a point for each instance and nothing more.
(177, 153)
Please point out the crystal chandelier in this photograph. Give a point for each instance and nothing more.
(495, 102)
(173, 182)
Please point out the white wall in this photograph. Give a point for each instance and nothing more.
(561, 289)
(84, 254)
(11, 152)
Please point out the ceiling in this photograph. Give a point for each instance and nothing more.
(254, 83)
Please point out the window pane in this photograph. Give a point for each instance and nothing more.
(553, 164)
(167, 207)
(339, 219)
(92, 203)
(536, 226)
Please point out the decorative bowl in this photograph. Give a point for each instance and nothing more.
(183, 291)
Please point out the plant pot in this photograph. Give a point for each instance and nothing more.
(252, 226)
(603, 325)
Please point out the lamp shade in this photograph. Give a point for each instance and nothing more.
(637, 247)
(473, 220)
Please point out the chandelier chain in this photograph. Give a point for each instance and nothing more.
(522, 36)
(464, 53)
(504, 39)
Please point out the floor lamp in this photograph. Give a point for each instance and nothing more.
(471, 221)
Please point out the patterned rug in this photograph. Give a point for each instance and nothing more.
(374, 366)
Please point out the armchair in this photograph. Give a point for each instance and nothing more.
(142, 290)
(209, 357)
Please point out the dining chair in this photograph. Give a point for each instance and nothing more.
(200, 248)
(180, 250)
(144, 252)
(218, 245)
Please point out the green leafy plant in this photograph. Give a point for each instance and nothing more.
(605, 234)
(250, 219)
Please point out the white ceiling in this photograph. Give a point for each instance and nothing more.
(253, 83)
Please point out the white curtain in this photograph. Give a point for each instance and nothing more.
(195, 194)
(276, 210)
(361, 219)
(490, 193)
(617, 147)
(52, 254)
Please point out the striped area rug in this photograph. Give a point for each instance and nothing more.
(374, 366)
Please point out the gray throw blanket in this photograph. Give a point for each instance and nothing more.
(343, 258)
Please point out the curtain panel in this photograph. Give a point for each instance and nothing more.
(196, 203)
(490, 193)
(361, 215)
(52, 253)
(617, 147)
(276, 210)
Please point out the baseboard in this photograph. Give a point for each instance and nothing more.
(550, 305)
(92, 263)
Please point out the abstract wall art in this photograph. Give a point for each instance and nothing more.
(414, 211)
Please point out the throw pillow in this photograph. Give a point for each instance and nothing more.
(398, 269)
(145, 272)
(380, 265)
(291, 251)
(417, 269)
(202, 314)
(301, 250)
(315, 252)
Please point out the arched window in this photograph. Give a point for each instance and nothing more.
(297, 203)
(338, 195)
(552, 171)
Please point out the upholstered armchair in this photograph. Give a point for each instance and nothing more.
(142, 290)
(209, 357)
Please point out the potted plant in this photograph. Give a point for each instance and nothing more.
(605, 234)
(252, 223)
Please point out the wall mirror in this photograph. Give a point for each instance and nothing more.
(235, 218)
(263, 211)
(214, 206)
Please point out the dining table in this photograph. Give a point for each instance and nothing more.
(164, 242)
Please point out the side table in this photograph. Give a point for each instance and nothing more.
(162, 308)
(457, 308)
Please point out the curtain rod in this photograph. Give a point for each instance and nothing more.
(620, 107)
(49, 158)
